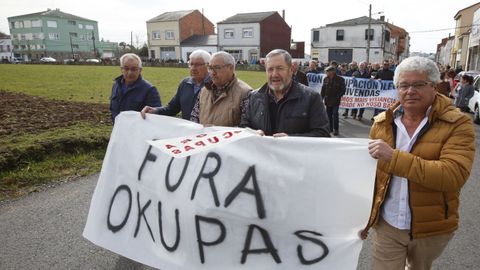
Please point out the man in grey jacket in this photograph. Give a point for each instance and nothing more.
(283, 107)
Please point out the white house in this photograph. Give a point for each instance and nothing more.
(251, 36)
(346, 41)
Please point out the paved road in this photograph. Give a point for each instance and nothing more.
(44, 230)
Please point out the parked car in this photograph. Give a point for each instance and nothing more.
(92, 60)
(47, 60)
(474, 103)
(17, 60)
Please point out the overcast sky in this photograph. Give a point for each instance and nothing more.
(118, 18)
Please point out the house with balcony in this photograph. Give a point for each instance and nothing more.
(251, 36)
(168, 30)
(53, 33)
(351, 40)
(463, 27)
(6, 49)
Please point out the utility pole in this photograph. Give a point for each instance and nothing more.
(368, 32)
(71, 46)
(94, 49)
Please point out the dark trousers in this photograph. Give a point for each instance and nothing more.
(360, 112)
(332, 112)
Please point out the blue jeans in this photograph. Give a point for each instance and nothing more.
(332, 112)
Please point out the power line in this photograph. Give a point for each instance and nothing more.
(444, 29)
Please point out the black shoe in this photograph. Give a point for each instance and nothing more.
(335, 133)
(345, 114)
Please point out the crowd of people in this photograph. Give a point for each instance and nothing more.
(424, 145)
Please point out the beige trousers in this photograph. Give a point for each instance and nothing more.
(393, 248)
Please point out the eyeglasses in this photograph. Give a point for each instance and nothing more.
(415, 86)
(277, 69)
(132, 69)
(194, 65)
(216, 68)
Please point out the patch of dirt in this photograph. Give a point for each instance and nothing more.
(20, 113)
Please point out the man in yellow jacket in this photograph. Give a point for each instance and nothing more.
(425, 149)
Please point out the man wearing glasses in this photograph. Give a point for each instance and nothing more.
(188, 90)
(284, 107)
(130, 92)
(425, 150)
(219, 102)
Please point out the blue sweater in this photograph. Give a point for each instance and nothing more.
(184, 99)
(138, 95)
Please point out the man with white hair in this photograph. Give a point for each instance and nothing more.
(220, 100)
(188, 89)
(425, 149)
(130, 92)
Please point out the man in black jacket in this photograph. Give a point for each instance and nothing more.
(283, 107)
(333, 89)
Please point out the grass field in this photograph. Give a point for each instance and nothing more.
(93, 83)
(31, 158)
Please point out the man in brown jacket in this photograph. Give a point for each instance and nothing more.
(219, 102)
(425, 150)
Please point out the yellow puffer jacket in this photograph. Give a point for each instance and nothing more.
(437, 167)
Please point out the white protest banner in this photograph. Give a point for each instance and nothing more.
(257, 203)
(361, 93)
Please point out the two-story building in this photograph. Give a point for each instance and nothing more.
(168, 30)
(53, 33)
(351, 40)
(6, 50)
(251, 36)
(463, 27)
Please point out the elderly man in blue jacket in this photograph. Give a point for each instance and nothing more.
(188, 89)
(130, 92)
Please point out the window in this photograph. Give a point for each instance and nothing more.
(23, 36)
(371, 34)
(53, 36)
(8, 48)
(169, 35)
(18, 24)
(73, 34)
(228, 33)
(89, 26)
(74, 46)
(27, 24)
(80, 26)
(12, 25)
(156, 35)
(52, 24)
(36, 23)
(37, 35)
(387, 36)
(72, 22)
(237, 54)
(340, 34)
(316, 36)
(85, 37)
(247, 33)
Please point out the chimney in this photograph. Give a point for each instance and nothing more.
(283, 14)
(382, 18)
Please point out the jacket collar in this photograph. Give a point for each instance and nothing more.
(441, 108)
